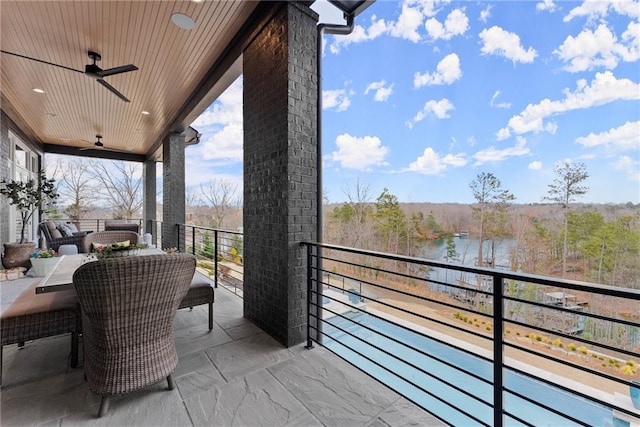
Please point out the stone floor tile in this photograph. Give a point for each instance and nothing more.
(257, 399)
(247, 355)
(403, 413)
(334, 392)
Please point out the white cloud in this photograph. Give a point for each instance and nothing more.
(492, 154)
(440, 109)
(432, 163)
(359, 153)
(497, 41)
(447, 71)
(226, 109)
(360, 34)
(628, 165)
(595, 10)
(382, 91)
(221, 124)
(536, 165)
(338, 99)
(625, 137)
(599, 48)
(225, 144)
(485, 14)
(494, 104)
(456, 24)
(546, 5)
(604, 88)
(408, 23)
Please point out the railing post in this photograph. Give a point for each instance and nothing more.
(498, 350)
(309, 297)
(178, 237)
(193, 240)
(215, 258)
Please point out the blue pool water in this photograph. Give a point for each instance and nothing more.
(581, 409)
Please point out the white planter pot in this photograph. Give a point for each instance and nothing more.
(42, 266)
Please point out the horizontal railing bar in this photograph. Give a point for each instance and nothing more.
(440, 322)
(420, 297)
(628, 293)
(568, 310)
(219, 230)
(573, 337)
(451, 365)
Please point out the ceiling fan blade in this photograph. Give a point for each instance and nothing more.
(113, 89)
(118, 70)
(40, 60)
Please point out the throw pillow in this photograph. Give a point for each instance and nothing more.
(72, 227)
(65, 230)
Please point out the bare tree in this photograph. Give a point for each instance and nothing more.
(564, 189)
(221, 196)
(120, 186)
(359, 197)
(75, 186)
(490, 209)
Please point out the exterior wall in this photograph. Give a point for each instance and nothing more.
(280, 170)
(4, 174)
(7, 124)
(173, 205)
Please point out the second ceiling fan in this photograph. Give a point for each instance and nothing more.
(91, 70)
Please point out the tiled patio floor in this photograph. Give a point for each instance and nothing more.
(235, 375)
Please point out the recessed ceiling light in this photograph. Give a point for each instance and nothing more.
(197, 1)
(183, 21)
(146, 113)
(38, 90)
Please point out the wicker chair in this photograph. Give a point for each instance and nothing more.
(128, 307)
(108, 237)
(55, 239)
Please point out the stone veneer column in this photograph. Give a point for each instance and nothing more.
(173, 204)
(280, 171)
(149, 196)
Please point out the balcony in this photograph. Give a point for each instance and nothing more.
(458, 345)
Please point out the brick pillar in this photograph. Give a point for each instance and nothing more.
(4, 174)
(149, 196)
(280, 172)
(173, 205)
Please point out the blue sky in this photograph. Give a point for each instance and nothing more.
(424, 95)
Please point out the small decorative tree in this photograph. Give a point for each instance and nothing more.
(29, 196)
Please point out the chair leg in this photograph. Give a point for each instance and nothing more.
(171, 382)
(210, 316)
(104, 406)
(74, 349)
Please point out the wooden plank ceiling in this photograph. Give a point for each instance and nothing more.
(74, 108)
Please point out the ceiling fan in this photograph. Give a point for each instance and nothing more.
(91, 70)
(98, 144)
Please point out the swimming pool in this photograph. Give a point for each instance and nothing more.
(581, 409)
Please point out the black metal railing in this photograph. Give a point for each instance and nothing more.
(97, 224)
(478, 346)
(219, 252)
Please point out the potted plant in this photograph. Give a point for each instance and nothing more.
(28, 197)
(43, 261)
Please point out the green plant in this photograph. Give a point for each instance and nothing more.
(44, 253)
(29, 196)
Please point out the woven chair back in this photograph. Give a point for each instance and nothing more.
(109, 237)
(128, 307)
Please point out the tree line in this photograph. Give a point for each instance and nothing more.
(578, 242)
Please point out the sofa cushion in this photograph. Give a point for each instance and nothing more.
(52, 226)
(65, 229)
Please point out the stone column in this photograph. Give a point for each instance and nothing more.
(149, 196)
(173, 204)
(280, 172)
